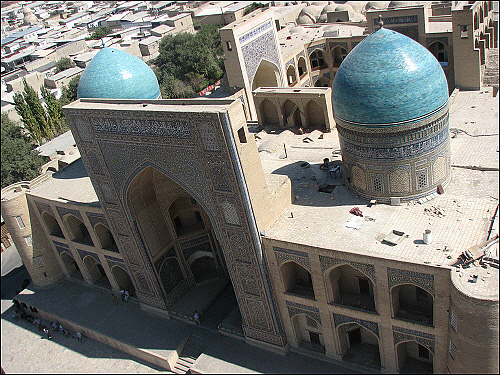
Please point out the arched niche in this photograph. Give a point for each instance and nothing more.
(203, 266)
(186, 216)
(302, 66)
(78, 230)
(317, 59)
(359, 345)
(322, 82)
(291, 75)
(105, 237)
(315, 116)
(414, 358)
(412, 303)
(96, 272)
(123, 279)
(296, 279)
(267, 75)
(308, 333)
(52, 225)
(269, 113)
(338, 55)
(440, 52)
(350, 287)
(291, 114)
(71, 266)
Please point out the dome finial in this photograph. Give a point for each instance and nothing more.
(380, 22)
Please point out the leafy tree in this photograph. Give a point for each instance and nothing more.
(57, 121)
(195, 60)
(252, 7)
(20, 162)
(69, 92)
(63, 64)
(100, 32)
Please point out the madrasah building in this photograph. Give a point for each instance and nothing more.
(384, 255)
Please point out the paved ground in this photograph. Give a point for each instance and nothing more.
(24, 351)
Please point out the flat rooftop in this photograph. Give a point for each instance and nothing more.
(458, 219)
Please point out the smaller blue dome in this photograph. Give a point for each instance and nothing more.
(114, 74)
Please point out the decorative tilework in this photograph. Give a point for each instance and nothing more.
(170, 274)
(341, 44)
(254, 32)
(206, 130)
(113, 259)
(179, 290)
(404, 334)
(367, 269)
(397, 20)
(301, 53)
(257, 314)
(344, 319)
(263, 47)
(409, 31)
(285, 255)
(399, 181)
(422, 280)
(43, 207)
(241, 249)
(259, 335)
(321, 46)
(315, 79)
(84, 253)
(289, 62)
(297, 309)
(230, 213)
(439, 169)
(249, 280)
(63, 211)
(326, 75)
(61, 244)
(429, 41)
(97, 219)
(174, 128)
(358, 177)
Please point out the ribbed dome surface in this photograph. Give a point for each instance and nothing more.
(388, 78)
(115, 74)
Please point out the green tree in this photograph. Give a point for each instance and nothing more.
(27, 117)
(64, 63)
(100, 32)
(20, 162)
(252, 7)
(70, 91)
(57, 121)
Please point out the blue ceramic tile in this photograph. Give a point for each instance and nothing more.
(115, 74)
(388, 78)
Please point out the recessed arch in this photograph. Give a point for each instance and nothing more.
(291, 114)
(105, 237)
(96, 272)
(301, 66)
(359, 345)
(322, 82)
(315, 116)
(308, 332)
(52, 225)
(185, 215)
(267, 75)
(440, 51)
(413, 303)
(291, 75)
(70, 265)
(123, 279)
(269, 113)
(346, 285)
(296, 279)
(414, 357)
(338, 54)
(78, 230)
(317, 59)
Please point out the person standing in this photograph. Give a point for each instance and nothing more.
(196, 317)
(127, 296)
(79, 336)
(122, 293)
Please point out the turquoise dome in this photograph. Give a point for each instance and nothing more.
(115, 74)
(386, 79)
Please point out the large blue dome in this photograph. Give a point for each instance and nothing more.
(386, 79)
(115, 74)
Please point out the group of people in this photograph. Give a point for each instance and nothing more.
(18, 312)
(125, 295)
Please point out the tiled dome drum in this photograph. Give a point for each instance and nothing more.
(115, 74)
(390, 100)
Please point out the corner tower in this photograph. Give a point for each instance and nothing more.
(390, 99)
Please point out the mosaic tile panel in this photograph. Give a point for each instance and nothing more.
(259, 335)
(241, 250)
(230, 212)
(249, 280)
(84, 253)
(94, 163)
(399, 181)
(181, 289)
(301, 53)
(367, 269)
(403, 334)
(297, 309)
(422, 280)
(97, 219)
(148, 300)
(208, 136)
(263, 47)
(63, 211)
(43, 207)
(343, 319)
(170, 274)
(286, 255)
(257, 314)
(61, 244)
(341, 44)
(321, 46)
(254, 32)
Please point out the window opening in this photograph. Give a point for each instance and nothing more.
(241, 135)
(20, 222)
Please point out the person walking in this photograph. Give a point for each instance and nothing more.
(122, 293)
(127, 296)
(79, 336)
(115, 299)
(196, 317)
